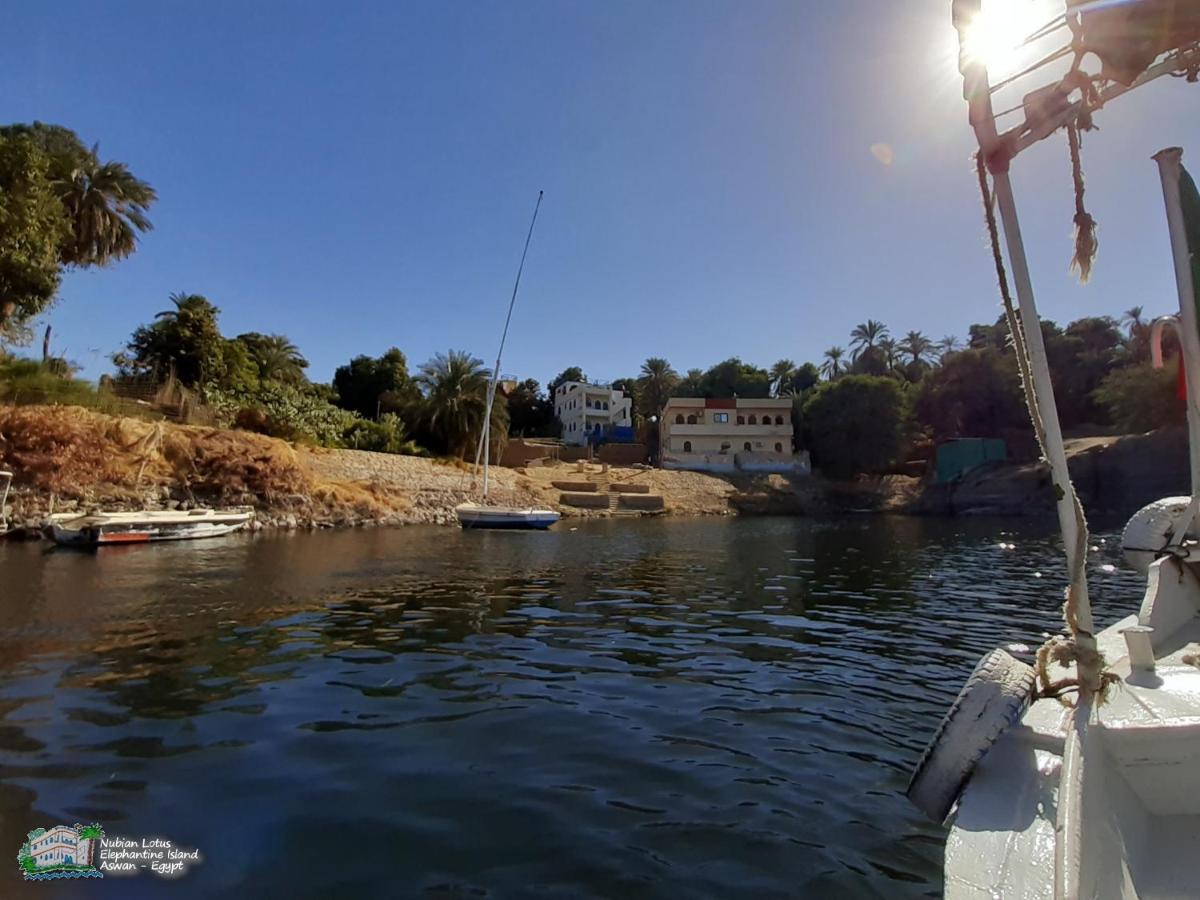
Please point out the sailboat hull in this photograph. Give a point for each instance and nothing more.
(473, 515)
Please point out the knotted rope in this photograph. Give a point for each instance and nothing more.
(1061, 649)
(1086, 243)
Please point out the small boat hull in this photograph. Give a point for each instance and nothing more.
(471, 516)
(142, 528)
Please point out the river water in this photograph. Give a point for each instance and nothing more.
(666, 708)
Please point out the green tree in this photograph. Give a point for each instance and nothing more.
(275, 357)
(917, 346)
(105, 203)
(455, 387)
(91, 833)
(974, 393)
(854, 424)
(832, 367)
(631, 388)
(657, 383)
(571, 373)
(802, 379)
(369, 385)
(691, 384)
(1141, 398)
(33, 227)
(734, 378)
(530, 412)
(185, 340)
(866, 336)
(781, 374)
(947, 345)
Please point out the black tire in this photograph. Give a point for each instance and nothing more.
(993, 699)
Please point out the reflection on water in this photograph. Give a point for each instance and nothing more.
(667, 708)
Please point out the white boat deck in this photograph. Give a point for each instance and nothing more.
(1140, 785)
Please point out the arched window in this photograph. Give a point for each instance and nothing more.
(779, 420)
(741, 420)
(691, 420)
(679, 419)
(778, 447)
(687, 446)
(753, 419)
(746, 446)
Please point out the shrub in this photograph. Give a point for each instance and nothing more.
(854, 424)
(385, 436)
(290, 413)
(1141, 398)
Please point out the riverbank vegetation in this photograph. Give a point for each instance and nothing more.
(865, 407)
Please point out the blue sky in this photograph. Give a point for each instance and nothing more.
(360, 175)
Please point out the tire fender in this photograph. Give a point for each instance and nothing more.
(1150, 529)
(994, 698)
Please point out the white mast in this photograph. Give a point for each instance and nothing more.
(1169, 169)
(484, 449)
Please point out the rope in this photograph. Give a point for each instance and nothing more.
(1060, 648)
(1085, 226)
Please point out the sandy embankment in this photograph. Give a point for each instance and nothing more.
(68, 458)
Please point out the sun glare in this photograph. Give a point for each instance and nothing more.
(995, 37)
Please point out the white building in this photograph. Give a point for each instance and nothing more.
(60, 845)
(590, 409)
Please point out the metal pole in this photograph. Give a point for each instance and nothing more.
(1040, 370)
(1170, 166)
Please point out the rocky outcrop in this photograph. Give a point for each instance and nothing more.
(1114, 476)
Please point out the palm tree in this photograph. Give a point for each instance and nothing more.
(832, 367)
(781, 372)
(277, 358)
(188, 306)
(107, 207)
(890, 350)
(657, 382)
(691, 384)
(1133, 318)
(947, 345)
(866, 336)
(916, 345)
(455, 386)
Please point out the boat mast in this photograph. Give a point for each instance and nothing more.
(1170, 168)
(998, 154)
(484, 449)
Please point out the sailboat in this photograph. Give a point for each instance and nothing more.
(482, 514)
(1080, 776)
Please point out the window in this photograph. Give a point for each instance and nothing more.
(778, 447)
(691, 420)
(753, 419)
(746, 446)
(779, 420)
(725, 446)
(687, 446)
(721, 417)
(679, 419)
(741, 420)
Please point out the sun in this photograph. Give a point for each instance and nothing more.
(995, 37)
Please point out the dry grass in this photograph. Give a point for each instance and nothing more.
(76, 453)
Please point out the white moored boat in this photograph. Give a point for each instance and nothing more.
(1080, 776)
(483, 514)
(475, 515)
(98, 529)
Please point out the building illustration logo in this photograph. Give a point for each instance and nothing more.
(64, 851)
